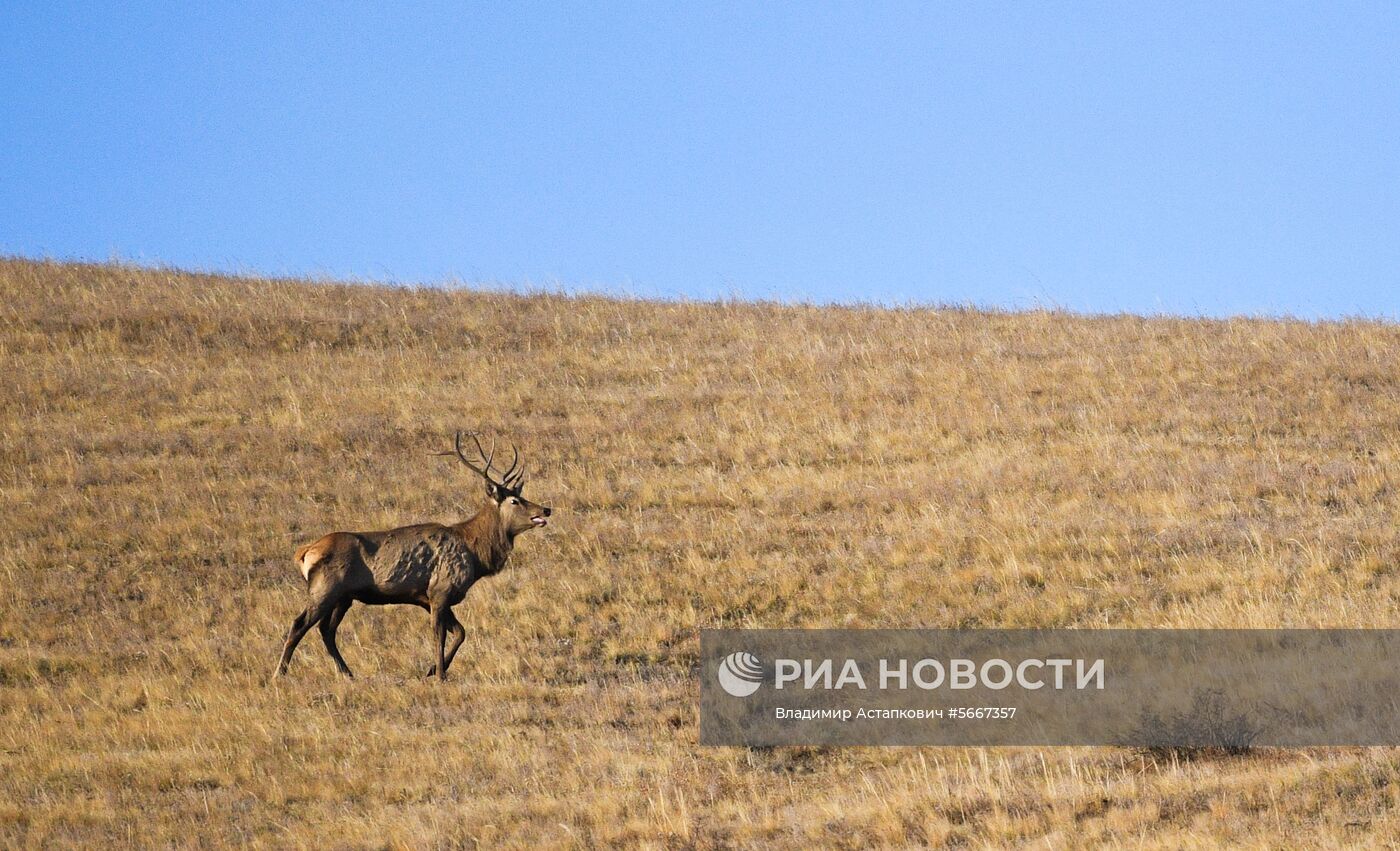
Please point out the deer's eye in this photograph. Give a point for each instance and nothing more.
(514, 501)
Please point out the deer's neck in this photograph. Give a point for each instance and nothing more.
(487, 537)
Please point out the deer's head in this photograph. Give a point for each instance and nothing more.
(518, 514)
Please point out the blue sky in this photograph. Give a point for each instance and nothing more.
(1169, 157)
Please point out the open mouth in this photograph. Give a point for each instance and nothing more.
(539, 521)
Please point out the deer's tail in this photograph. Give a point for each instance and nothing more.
(306, 558)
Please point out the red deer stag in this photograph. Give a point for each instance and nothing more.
(428, 565)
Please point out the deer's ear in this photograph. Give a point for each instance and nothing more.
(495, 492)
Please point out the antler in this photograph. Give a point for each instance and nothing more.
(512, 480)
(517, 481)
(511, 473)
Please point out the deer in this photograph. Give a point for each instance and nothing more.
(429, 565)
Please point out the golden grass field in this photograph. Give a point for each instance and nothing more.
(167, 439)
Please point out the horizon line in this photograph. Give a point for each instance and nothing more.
(618, 292)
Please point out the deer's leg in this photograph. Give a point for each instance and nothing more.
(458, 633)
(309, 617)
(441, 616)
(329, 625)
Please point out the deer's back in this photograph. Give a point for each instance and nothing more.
(410, 564)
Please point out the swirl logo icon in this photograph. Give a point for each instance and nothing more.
(740, 674)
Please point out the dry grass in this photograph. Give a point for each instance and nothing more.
(169, 438)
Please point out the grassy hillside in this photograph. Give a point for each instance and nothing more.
(167, 440)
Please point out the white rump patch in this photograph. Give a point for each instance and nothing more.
(308, 561)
